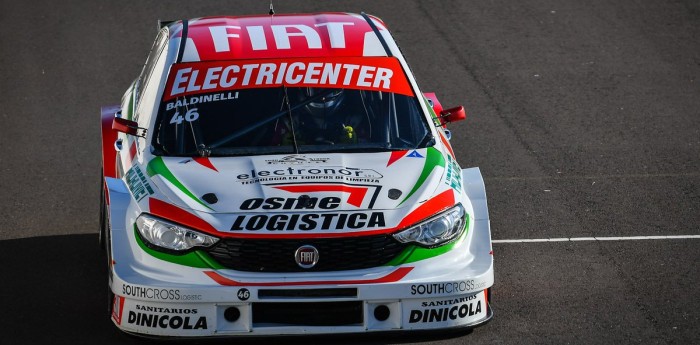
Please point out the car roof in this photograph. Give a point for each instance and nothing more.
(281, 36)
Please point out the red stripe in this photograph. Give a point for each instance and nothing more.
(132, 151)
(205, 162)
(395, 155)
(447, 144)
(430, 208)
(106, 193)
(164, 210)
(357, 194)
(312, 235)
(389, 278)
(115, 316)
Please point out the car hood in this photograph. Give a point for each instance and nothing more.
(304, 182)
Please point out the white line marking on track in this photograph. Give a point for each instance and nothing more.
(587, 177)
(576, 239)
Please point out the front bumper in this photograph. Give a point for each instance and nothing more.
(154, 297)
(293, 316)
(160, 298)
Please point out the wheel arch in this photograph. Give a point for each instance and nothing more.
(109, 136)
(473, 186)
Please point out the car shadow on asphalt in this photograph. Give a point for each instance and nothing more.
(54, 291)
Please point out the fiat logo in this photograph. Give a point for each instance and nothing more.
(306, 256)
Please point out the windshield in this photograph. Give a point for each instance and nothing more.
(282, 120)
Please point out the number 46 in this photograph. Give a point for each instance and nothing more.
(191, 115)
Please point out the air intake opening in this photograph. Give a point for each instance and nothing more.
(308, 293)
(308, 314)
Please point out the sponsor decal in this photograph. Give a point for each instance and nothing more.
(366, 73)
(454, 174)
(297, 159)
(356, 193)
(451, 301)
(117, 309)
(138, 183)
(306, 173)
(286, 36)
(446, 288)
(315, 36)
(310, 221)
(166, 310)
(243, 294)
(160, 317)
(300, 203)
(158, 294)
(190, 101)
(455, 312)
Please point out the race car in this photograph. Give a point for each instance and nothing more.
(284, 174)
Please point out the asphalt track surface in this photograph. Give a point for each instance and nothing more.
(584, 117)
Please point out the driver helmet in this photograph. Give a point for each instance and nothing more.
(324, 106)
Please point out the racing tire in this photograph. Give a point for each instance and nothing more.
(106, 241)
(101, 234)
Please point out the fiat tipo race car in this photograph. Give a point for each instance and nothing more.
(273, 175)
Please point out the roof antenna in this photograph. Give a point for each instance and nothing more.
(272, 9)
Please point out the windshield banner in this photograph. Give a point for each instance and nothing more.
(365, 73)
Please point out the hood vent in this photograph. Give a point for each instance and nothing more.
(394, 193)
(210, 198)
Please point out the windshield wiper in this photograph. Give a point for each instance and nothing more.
(252, 127)
(204, 150)
(428, 140)
(291, 120)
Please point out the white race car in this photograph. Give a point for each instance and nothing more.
(284, 174)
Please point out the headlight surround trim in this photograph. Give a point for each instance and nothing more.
(436, 231)
(170, 237)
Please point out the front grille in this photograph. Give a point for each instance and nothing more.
(308, 314)
(335, 254)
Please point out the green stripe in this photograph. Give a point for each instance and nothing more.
(157, 167)
(130, 108)
(431, 111)
(415, 253)
(196, 259)
(433, 158)
(208, 260)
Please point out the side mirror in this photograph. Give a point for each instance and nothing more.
(125, 126)
(453, 114)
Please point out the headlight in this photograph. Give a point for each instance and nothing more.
(435, 231)
(164, 234)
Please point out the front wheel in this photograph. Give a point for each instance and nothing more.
(106, 244)
(103, 209)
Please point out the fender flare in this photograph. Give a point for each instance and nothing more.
(118, 199)
(473, 186)
(109, 136)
